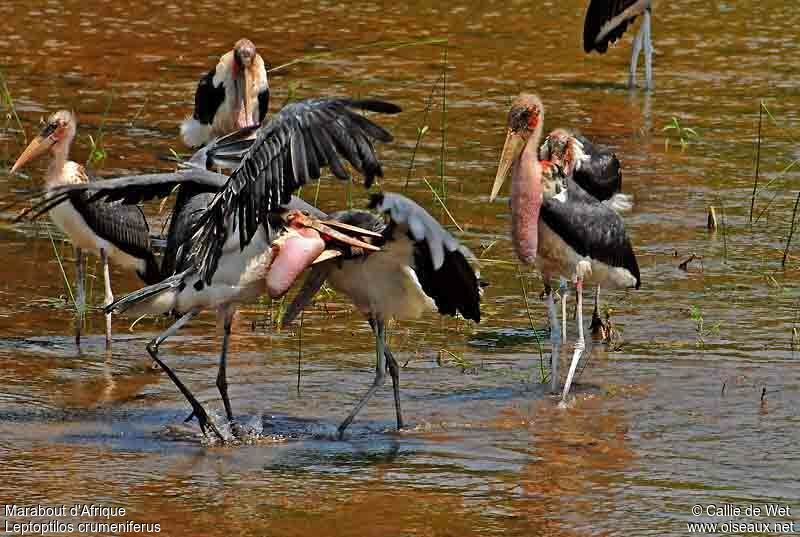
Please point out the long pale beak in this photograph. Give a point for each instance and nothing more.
(331, 234)
(353, 229)
(37, 147)
(327, 255)
(511, 150)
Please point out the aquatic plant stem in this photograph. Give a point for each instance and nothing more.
(530, 320)
(791, 231)
(758, 160)
(444, 127)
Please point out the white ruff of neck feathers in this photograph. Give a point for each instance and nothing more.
(578, 154)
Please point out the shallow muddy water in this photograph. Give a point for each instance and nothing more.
(672, 418)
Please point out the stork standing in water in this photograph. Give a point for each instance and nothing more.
(116, 232)
(559, 227)
(421, 267)
(266, 241)
(596, 170)
(607, 20)
(233, 95)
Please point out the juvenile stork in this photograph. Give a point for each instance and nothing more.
(595, 169)
(558, 227)
(233, 95)
(607, 20)
(116, 232)
(420, 268)
(259, 248)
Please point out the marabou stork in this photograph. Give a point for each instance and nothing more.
(261, 247)
(233, 95)
(114, 231)
(421, 267)
(558, 227)
(598, 171)
(607, 20)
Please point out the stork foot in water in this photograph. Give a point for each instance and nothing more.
(198, 411)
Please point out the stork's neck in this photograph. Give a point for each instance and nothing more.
(61, 170)
(59, 156)
(526, 201)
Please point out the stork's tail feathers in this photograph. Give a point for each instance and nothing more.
(131, 299)
(194, 133)
(620, 202)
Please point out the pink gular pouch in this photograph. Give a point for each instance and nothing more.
(291, 257)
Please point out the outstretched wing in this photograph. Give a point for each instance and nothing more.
(226, 151)
(290, 149)
(607, 20)
(440, 261)
(129, 189)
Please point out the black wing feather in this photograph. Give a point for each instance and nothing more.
(208, 98)
(453, 286)
(591, 229)
(122, 225)
(278, 163)
(598, 13)
(601, 175)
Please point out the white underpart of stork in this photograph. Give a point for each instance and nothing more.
(73, 225)
(230, 116)
(70, 222)
(194, 133)
(554, 254)
(240, 276)
(394, 290)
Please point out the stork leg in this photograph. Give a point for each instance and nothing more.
(80, 295)
(648, 51)
(394, 372)
(222, 377)
(579, 344)
(555, 338)
(109, 293)
(563, 291)
(380, 376)
(197, 409)
(597, 323)
(635, 50)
